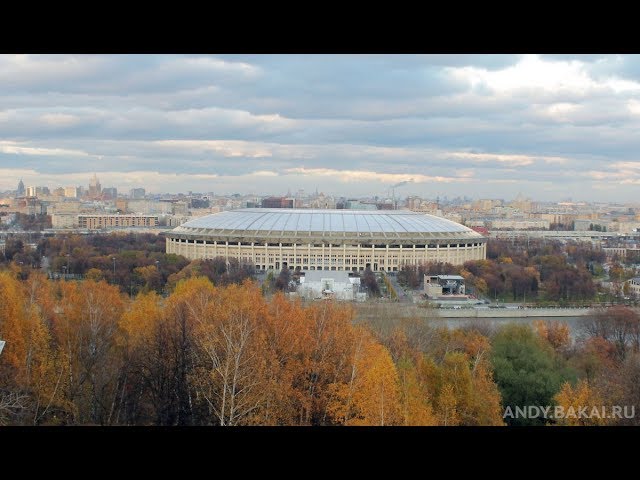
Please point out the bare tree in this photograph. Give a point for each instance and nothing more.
(11, 405)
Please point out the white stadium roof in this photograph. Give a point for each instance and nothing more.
(283, 223)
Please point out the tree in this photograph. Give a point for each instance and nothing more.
(618, 324)
(147, 363)
(150, 276)
(526, 369)
(415, 401)
(556, 333)
(370, 396)
(331, 342)
(282, 282)
(11, 406)
(574, 399)
(448, 406)
(287, 334)
(370, 282)
(230, 347)
(86, 331)
(27, 365)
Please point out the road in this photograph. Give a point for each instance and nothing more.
(402, 297)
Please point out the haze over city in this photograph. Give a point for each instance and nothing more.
(548, 127)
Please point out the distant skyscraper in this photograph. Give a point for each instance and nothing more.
(72, 192)
(20, 192)
(277, 202)
(110, 192)
(37, 191)
(137, 193)
(94, 187)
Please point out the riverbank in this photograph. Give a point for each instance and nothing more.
(509, 312)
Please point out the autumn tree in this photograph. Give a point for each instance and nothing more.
(331, 338)
(619, 325)
(29, 371)
(556, 333)
(147, 364)
(416, 404)
(574, 399)
(150, 277)
(370, 394)
(287, 334)
(230, 345)
(86, 333)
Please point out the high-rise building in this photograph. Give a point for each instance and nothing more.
(277, 202)
(94, 187)
(20, 192)
(72, 192)
(413, 202)
(137, 193)
(353, 204)
(110, 192)
(37, 191)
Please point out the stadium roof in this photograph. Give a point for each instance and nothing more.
(283, 223)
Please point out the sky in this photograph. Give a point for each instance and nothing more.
(549, 127)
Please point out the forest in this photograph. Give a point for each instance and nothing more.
(533, 271)
(134, 262)
(87, 353)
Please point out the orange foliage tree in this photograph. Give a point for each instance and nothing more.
(581, 405)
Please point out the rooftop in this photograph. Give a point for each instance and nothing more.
(309, 222)
(318, 275)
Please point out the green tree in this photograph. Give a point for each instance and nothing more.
(527, 370)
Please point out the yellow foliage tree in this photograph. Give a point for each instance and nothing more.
(29, 356)
(371, 396)
(231, 351)
(288, 343)
(582, 405)
(139, 320)
(415, 401)
(447, 404)
(556, 333)
(94, 274)
(86, 331)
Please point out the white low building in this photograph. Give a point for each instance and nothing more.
(634, 286)
(328, 284)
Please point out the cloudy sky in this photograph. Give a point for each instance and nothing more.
(550, 127)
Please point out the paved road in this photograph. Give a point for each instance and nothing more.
(402, 297)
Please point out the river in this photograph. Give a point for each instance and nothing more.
(572, 322)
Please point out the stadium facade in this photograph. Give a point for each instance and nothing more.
(348, 240)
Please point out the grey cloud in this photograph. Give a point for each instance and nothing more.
(379, 113)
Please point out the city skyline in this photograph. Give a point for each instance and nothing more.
(482, 126)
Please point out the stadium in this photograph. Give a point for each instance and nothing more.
(350, 240)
